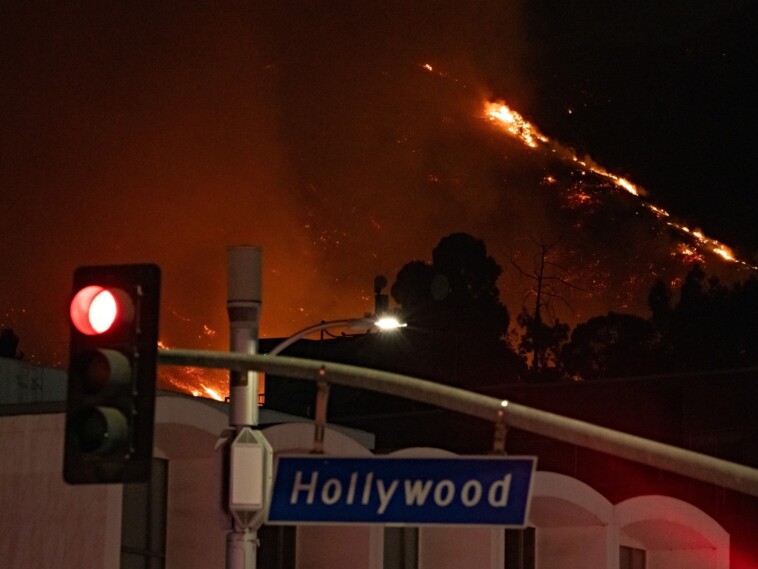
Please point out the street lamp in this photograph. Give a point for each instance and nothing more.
(365, 324)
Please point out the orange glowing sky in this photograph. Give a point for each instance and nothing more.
(168, 134)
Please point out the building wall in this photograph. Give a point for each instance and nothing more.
(674, 533)
(47, 523)
(22, 382)
(186, 433)
(443, 547)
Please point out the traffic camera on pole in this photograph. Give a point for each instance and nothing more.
(111, 375)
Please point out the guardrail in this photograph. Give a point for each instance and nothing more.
(665, 457)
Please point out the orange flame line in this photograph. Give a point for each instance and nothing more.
(515, 125)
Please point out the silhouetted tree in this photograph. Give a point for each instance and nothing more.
(413, 288)
(544, 342)
(539, 339)
(712, 326)
(457, 324)
(9, 344)
(709, 326)
(457, 291)
(659, 301)
(615, 345)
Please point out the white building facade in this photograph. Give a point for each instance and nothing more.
(178, 520)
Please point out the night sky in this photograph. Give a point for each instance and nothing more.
(165, 133)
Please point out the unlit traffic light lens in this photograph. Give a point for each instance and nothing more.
(102, 369)
(101, 430)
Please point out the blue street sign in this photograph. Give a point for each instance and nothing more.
(402, 491)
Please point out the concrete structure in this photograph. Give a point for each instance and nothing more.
(177, 520)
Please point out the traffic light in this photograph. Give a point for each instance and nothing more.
(111, 375)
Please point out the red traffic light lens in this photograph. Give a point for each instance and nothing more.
(95, 309)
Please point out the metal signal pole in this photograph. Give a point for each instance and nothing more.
(250, 456)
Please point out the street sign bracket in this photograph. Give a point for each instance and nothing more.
(322, 403)
(501, 431)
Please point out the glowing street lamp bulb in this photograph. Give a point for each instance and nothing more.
(103, 311)
(389, 323)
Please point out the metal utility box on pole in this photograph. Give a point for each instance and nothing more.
(243, 305)
(250, 455)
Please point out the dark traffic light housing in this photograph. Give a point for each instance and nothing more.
(111, 376)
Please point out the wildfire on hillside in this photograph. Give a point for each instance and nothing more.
(608, 240)
(518, 127)
(209, 383)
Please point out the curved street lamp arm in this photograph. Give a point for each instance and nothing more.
(351, 323)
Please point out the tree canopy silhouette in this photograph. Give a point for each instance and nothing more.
(457, 291)
(707, 326)
(457, 324)
(615, 345)
(712, 326)
(9, 344)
